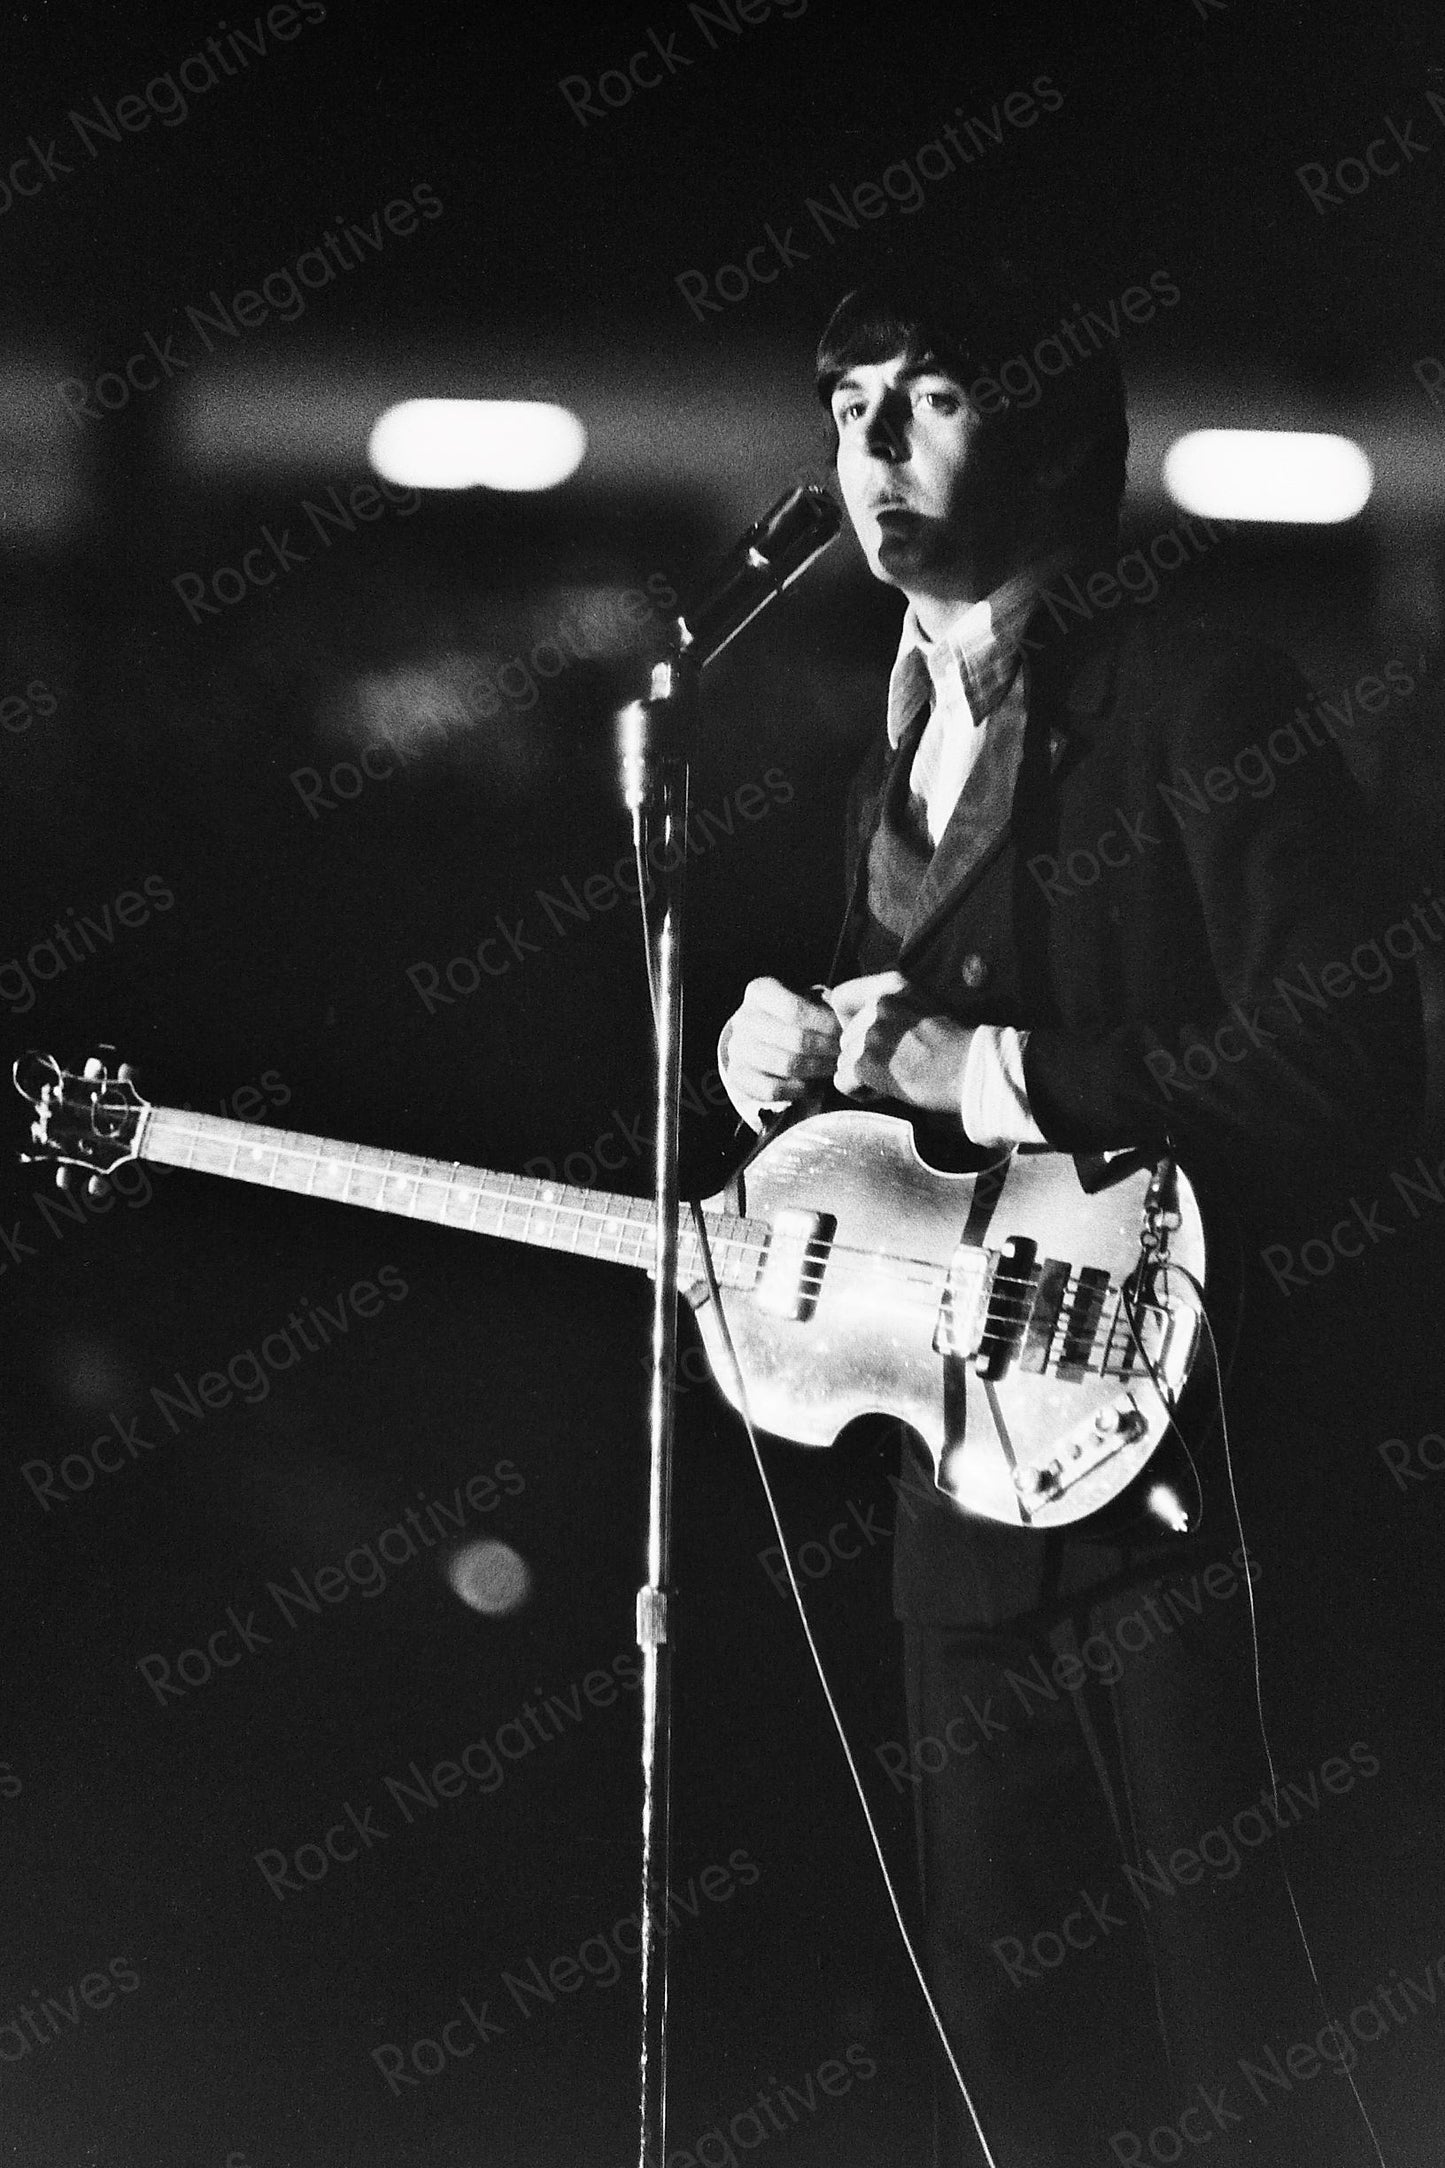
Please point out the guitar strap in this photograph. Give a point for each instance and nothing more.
(955, 1384)
(987, 1189)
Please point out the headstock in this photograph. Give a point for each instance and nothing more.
(88, 1121)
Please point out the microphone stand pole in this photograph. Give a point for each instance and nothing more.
(655, 737)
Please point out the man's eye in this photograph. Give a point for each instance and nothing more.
(850, 411)
(946, 402)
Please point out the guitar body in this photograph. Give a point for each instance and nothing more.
(868, 1343)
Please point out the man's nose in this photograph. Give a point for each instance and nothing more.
(886, 436)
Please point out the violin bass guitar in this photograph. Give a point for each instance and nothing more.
(1037, 1335)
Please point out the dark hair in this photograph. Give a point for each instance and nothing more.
(989, 331)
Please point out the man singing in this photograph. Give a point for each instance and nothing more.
(1068, 914)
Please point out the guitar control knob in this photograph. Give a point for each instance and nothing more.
(1033, 1482)
(1123, 1425)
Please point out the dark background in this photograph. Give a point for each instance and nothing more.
(130, 1827)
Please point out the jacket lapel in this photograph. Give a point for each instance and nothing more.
(977, 827)
(1058, 703)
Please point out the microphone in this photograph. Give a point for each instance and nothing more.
(768, 558)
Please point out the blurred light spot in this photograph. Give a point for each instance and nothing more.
(1287, 476)
(411, 709)
(451, 706)
(490, 1577)
(512, 444)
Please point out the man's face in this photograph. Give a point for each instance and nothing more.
(931, 500)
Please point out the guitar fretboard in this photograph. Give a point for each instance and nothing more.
(513, 1207)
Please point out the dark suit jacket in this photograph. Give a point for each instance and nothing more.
(1176, 865)
(1168, 893)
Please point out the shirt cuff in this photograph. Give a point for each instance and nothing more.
(995, 1105)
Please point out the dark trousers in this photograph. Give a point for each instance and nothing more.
(1107, 1927)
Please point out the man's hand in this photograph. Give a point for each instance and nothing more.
(895, 1047)
(778, 1044)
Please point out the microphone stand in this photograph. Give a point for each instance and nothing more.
(655, 737)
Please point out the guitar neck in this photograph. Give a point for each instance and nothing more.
(619, 1230)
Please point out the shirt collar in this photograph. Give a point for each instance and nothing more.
(975, 653)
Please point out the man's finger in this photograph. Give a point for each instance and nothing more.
(846, 999)
(855, 1079)
(769, 997)
(761, 1037)
(764, 1088)
(816, 1071)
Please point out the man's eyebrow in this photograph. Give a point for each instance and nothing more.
(908, 374)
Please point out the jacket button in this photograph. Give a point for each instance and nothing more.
(973, 971)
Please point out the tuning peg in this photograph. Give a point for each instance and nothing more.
(96, 1186)
(126, 1073)
(62, 1178)
(94, 1067)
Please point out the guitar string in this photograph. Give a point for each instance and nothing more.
(634, 1213)
(1005, 1314)
(1011, 1295)
(1002, 1319)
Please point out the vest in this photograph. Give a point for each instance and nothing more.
(898, 859)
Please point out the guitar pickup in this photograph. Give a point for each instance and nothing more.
(792, 1272)
(964, 1303)
(1082, 1324)
(1013, 1289)
(1000, 1307)
(1053, 1284)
